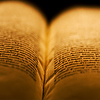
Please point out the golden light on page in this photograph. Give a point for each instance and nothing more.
(76, 57)
(22, 33)
(61, 62)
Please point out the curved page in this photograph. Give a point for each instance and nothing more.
(22, 34)
(73, 59)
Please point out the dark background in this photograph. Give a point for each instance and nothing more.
(51, 8)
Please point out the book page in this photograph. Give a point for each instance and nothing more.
(73, 59)
(22, 51)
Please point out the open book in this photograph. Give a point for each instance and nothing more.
(60, 61)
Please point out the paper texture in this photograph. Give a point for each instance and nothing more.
(22, 32)
(76, 56)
